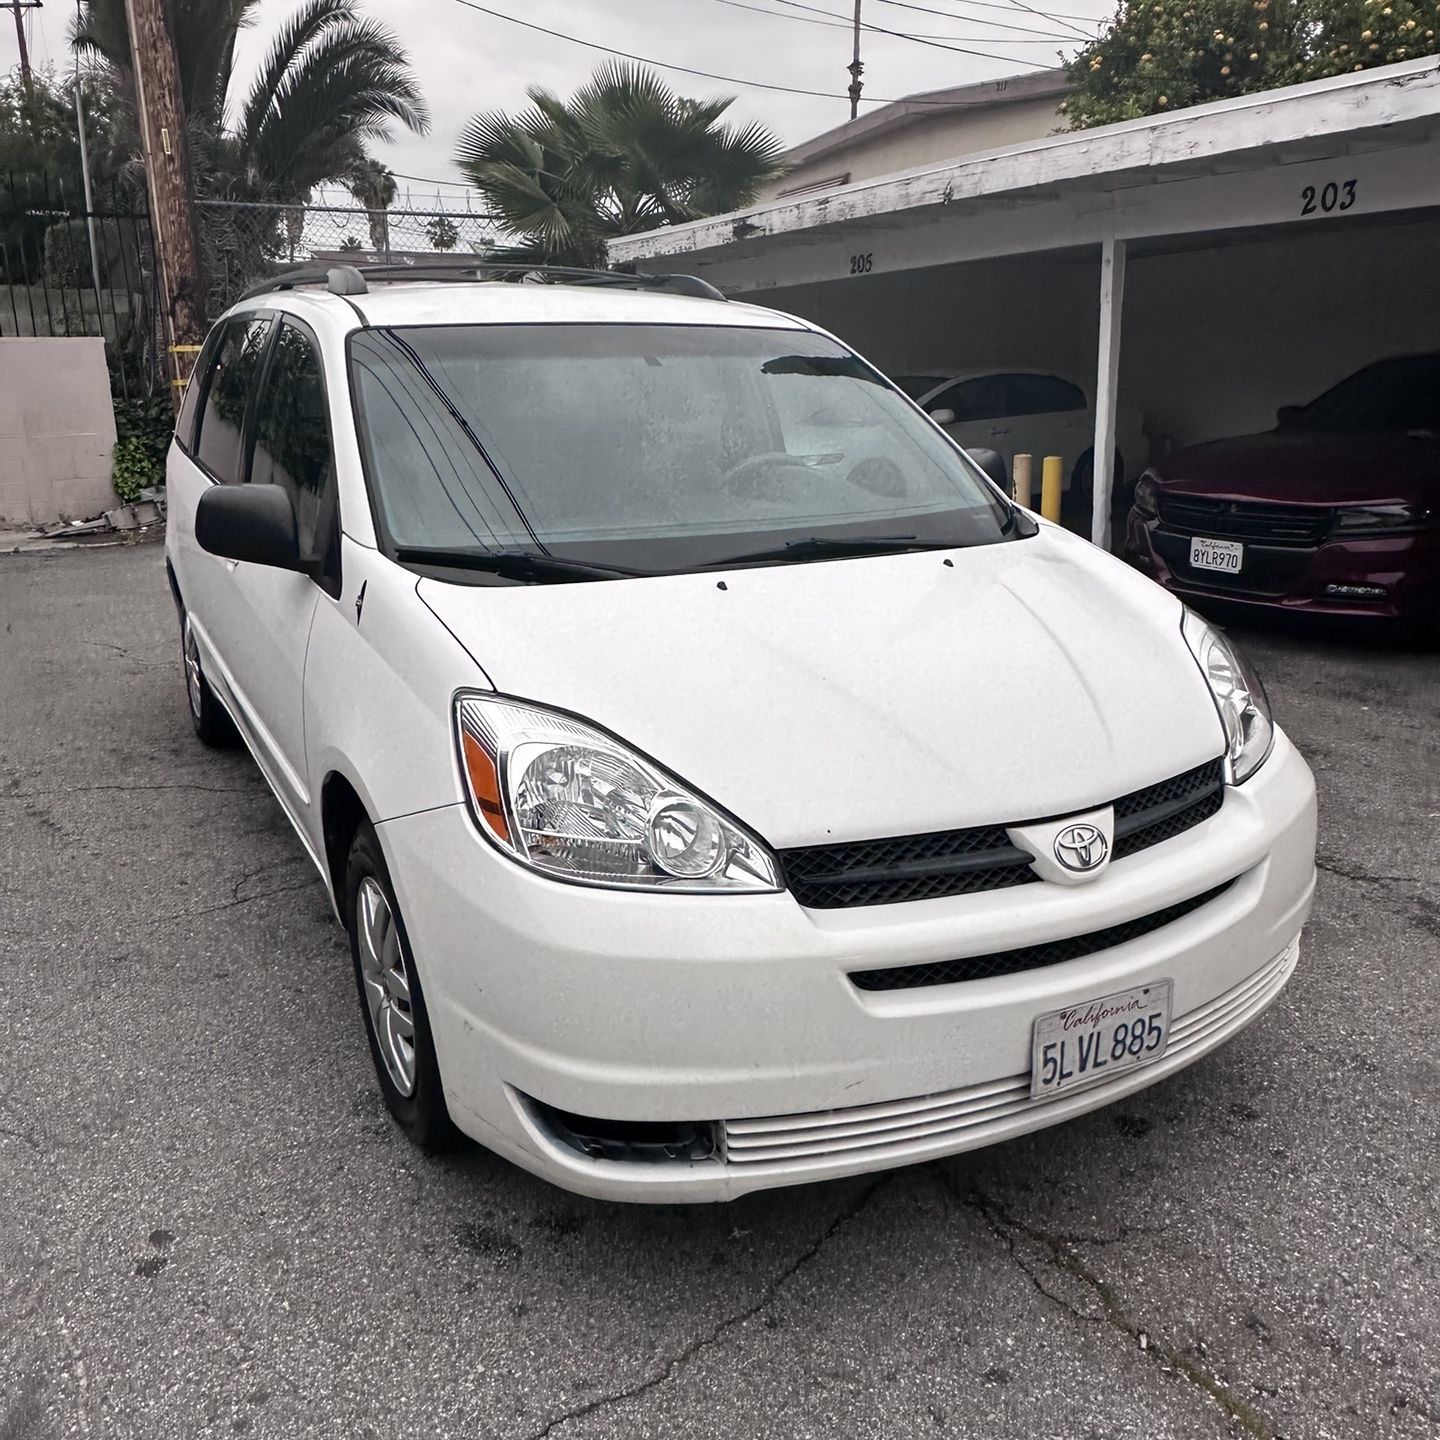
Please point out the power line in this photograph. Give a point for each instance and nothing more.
(931, 40)
(724, 79)
(431, 180)
(840, 24)
(951, 15)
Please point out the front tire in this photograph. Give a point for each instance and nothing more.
(212, 724)
(1082, 478)
(392, 1004)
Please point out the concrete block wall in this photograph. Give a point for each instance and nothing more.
(57, 428)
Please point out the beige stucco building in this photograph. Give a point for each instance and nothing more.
(936, 125)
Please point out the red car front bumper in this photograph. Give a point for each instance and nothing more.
(1393, 578)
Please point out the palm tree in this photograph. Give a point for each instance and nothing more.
(331, 81)
(372, 184)
(624, 154)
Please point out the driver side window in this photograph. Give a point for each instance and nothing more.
(292, 441)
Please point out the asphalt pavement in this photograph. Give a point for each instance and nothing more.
(210, 1227)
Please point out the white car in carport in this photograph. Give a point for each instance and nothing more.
(1030, 412)
(705, 819)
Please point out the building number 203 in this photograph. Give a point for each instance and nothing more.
(1327, 198)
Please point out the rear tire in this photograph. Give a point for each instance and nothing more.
(212, 724)
(392, 1004)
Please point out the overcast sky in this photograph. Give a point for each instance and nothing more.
(467, 61)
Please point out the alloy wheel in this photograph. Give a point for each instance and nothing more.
(385, 974)
(193, 681)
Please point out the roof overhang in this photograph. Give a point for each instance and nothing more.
(1236, 163)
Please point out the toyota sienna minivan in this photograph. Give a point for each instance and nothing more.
(722, 783)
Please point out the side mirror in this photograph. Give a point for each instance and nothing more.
(942, 416)
(250, 522)
(993, 465)
(1287, 415)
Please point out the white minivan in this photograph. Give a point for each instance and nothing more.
(722, 783)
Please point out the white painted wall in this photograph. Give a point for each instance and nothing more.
(57, 428)
(927, 140)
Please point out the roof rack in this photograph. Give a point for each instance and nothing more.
(357, 279)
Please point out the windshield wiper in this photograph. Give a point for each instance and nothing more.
(1019, 522)
(825, 547)
(521, 565)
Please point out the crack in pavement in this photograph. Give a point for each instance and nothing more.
(242, 900)
(22, 1136)
(134, 660)
(1364, 876)
(1062, 1256)
(128, 789)
(768, 1295)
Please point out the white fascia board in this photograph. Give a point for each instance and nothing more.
(1343, 106)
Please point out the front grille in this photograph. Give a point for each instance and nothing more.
(1265, 569)
(893, 1131)
(1029, 957)
(906, 867)
(1161, 812)
(1246, 519)
(964, 862)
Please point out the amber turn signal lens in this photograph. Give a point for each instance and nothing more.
(484, 785)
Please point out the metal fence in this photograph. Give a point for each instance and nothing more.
(68, 270)
(242, 241)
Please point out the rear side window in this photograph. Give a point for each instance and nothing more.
(228, 385)
(292, 439)
(1040, 395)
(190, 406)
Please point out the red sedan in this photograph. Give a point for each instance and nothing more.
(1336, 511)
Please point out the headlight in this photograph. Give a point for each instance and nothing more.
(1239, 697)
(1144, 502)
(1380, 519)
(571, 801)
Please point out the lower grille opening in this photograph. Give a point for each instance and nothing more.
(645, 1142)
(1029, 957)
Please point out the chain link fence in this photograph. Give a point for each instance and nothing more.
(242, 242)
(68, 270)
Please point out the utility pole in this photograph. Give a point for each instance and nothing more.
(19, 7)
(161, 112)
(855, 68)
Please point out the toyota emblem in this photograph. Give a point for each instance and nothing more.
(1081, 847)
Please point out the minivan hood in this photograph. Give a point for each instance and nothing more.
(1309, 468)
(860, 698)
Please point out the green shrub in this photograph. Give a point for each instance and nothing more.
(132, 469)
(143, 425)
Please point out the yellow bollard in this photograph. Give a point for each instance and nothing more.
(1023, 476)
(1052, 477)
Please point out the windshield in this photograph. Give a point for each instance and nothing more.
(651, 447)
(1393, 395)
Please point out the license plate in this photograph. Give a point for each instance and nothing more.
(1207, 554)
(1092, 1041)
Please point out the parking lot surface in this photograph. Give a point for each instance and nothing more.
(211, 1227)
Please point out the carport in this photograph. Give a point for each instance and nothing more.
(1203, 267)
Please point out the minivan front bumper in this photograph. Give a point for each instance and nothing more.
(738, 1012)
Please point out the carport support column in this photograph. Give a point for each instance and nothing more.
(1107, 375)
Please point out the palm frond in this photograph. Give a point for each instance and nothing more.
(625, 153)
